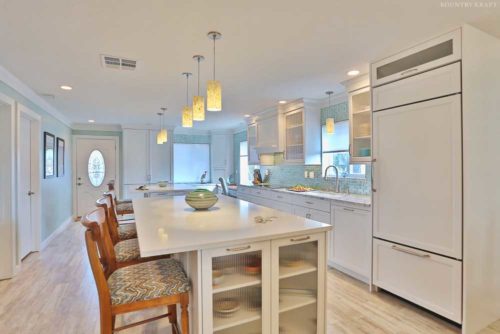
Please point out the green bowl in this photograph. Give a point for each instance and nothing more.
(201, 199)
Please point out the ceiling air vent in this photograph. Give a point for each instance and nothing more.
(118, 63)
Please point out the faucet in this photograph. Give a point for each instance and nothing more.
(336, 176)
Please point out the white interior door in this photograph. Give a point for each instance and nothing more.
(417, 175)
(25, 236)
(96, 165)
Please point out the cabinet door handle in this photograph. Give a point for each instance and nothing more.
(348, 209)
(279, 196)
(407, 251)
(237, 249)
(308, 215)
(311, 203)
(300, 239)
(409, 71)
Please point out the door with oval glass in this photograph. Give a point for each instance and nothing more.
(96, 165)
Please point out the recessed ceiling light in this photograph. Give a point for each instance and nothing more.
(282, 102)
(352, 73)
(91, 121)
(246, 115)
(66, 87)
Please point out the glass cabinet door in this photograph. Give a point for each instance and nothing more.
(236, 289)
(298, 285)
(294, 136)
(360, 116)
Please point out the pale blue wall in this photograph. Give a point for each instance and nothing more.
(57, 191)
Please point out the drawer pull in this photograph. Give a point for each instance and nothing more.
(300, 239)
(279, 196)
(311, 203)
(409, 71)
(348, 209)
(407, 251)
(237, 249)
(308, 215)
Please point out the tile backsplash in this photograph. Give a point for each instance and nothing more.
(289, 175)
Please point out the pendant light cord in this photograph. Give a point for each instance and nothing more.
(214, 56)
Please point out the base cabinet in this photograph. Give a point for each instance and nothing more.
(265, 287)
(351, 238)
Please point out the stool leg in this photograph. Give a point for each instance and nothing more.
(172, 318)
(184, 313)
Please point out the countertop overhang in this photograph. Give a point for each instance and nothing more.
(169, 225)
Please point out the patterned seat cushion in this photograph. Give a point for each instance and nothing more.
(147, 281)
(127, 231)
(127, 250)
(124, 207)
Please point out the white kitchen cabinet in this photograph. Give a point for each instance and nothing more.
(221, 155)
(418, 175)
(440, 82)
(294, 136)
(351, 240)
(429, 280)
(240, 275)
(298, 274)
(268, 134)
(360, 132)
(434, 53)
(253, 156)
(144, 161)
(320, 216)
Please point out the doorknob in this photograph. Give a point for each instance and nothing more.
(30, 193)
(79, 184)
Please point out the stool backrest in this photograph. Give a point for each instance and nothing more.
(106, 203)
(97, 254)
(223, 184)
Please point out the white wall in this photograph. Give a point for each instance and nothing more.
(481, 153)
(7, 173)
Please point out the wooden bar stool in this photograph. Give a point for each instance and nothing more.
(136, 287)
(122, 207)
(117, 231)
(122, 253)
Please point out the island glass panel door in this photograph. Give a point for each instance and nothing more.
(298, 284)
(236, 289)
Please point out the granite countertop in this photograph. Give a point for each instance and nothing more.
(364, 200)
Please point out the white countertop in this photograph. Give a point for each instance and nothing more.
(364, 200)
(169, 225)
(177, 187)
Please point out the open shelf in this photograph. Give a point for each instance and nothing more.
(236, 281)
(286, 272)
(240, 317)
(292, 302)
(248, 328)
(366, 110)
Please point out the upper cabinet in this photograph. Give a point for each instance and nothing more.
(428, 55)
(144, 161)
(293, 130)
(360, 119)
(360, 116)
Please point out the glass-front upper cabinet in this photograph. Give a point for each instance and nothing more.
(294, 135)
(236, 289)
(298, 285)
(253, 157)
(360, 116)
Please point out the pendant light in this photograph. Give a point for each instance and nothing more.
(163, 131)
(330, 122)
(187, 111)
(214, 90)
(198, 100)
(159, 136)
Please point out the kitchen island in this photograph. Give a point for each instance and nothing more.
(248, 275)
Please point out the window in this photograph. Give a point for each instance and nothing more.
(96, 168)
(335, 151)
(244, 173)
(190, 162)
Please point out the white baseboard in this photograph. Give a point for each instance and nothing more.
(54, 234)
(349, 272)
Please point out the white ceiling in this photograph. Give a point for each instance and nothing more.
(270, 50)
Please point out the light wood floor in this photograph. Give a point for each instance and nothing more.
(55, 293)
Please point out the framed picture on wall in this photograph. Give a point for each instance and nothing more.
(48, 155)
(60, 157)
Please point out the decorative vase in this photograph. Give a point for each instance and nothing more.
(201, 199)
